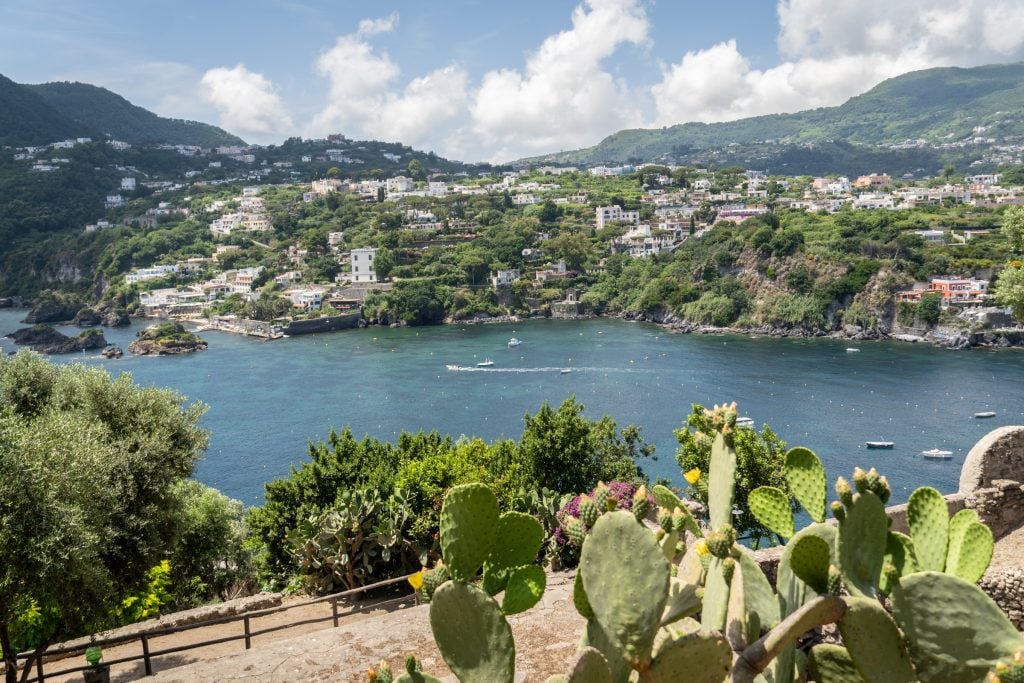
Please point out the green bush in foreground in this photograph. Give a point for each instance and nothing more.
(639, 589)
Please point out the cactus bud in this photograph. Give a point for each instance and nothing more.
(838, 511)
(659, 534)
(665, 520)
(860, 480)
(728, 567)
(719, 544)
(892, 575)
(589, 511)
(410, 664)
(680, 548)
(835, 580)
(884, 490)
(575, 531)
(601, 497)
(1009, 670)
(678, 520)
(844, 491)
(641, 504)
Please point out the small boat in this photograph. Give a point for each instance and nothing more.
(514, 342)
(879, 444)
(745, 422)
(454, 367)
(565, 371)
(985, 413)
(937, 454)
(850, 349)
(485, 363)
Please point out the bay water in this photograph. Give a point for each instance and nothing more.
(267, 400)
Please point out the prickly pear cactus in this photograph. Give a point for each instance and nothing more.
(469, 528)
(874, 643)
(810, 560)
(519, 537)
(472, 634)
(861, 544)
(771, 508)
(524, 589)
(721, 482)
(956, 632)
(627, 596)
(832, 664)
(805, 476)
(669, 501)
(928, 519)
(695, 658)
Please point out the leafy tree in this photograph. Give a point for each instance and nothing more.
(1013, 228)
(573, 248)
(930, 307)
(568, 453)
(384, 263)
(1009, 289)
(759, 462)
(88, 508)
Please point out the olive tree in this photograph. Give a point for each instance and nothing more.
(87, 501)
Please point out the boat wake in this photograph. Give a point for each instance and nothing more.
(557, 368)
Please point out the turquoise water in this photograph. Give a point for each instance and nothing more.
(267, 399)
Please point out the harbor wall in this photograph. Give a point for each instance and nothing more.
(325, 324)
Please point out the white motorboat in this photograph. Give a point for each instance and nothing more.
(850, 349)
(565, 371)
(745, 422)
(879, 444)
(985, 413)
(485, 363)
(937, 454)
(454, 367)
(514, 342)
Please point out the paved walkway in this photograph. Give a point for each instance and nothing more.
(546, 638)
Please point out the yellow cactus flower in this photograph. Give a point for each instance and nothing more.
(416, 580)
(701, 546)
(693, 476)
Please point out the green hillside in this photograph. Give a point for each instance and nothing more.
(113, 115)
(27, 119)
(936, 105)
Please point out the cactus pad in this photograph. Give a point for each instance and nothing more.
(469, 517)
(861, 545)
(806, 478)
(590, 666)
(956, 632)
(721, 482)
(810, 560)
(627, 598)
(695, 658)
(472, 634)
(874, 642)
(519, 538)
(832, 664)
(684, 599)
(928, 519)
(525, 588)
(670, 501)
(579, 598)
(974, 553)
(716, 597)
(771, 507)
(758, 595)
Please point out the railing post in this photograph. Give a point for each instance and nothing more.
(334, 611)
(248, 638)
(145, 655)
(39, 667)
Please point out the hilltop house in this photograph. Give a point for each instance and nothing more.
(362, 264)
(953, 291)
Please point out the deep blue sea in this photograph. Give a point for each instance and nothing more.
(268, 399)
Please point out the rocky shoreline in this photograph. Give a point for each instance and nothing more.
(166, 339)
(45, 339)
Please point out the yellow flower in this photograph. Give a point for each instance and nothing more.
(701, 547)
(693, 475)
(416, 580)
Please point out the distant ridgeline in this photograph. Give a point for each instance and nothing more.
(946, 108)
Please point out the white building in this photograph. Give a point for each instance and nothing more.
(141, 274)
(504, 278)
(128, 184)
(400, 184)
(437, 189)
(615, 214)
(113, 201)
(362, 265)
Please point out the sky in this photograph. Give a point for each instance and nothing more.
(480, 80)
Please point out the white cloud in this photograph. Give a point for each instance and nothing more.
(363, 99)
(564, 98)
(837, 50)
(369, 27)
(247, 102)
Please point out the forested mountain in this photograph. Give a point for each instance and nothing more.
(939, 106)
(41, 114)
(28, 119)
(100, 109)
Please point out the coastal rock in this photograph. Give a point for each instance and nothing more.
(115, 317)
(53, 308)
(87, 317)
(45, 339)
(105, 314)
(112, 351)
(166, 339)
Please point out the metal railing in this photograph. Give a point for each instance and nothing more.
(248, 633)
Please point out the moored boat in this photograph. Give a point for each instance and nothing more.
(850, 349)
(485, 363)
(879, 444)
(745, 422)
(565, 371)
(514, 342)
(985, 413)
(937, 454)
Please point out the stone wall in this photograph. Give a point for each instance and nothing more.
(998, 455)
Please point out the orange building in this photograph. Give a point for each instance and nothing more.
(952, 290)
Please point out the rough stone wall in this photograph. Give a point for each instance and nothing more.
(1001, 507)
(1006, 587)
(998, 455)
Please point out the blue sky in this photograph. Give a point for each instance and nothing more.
(492, 81)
